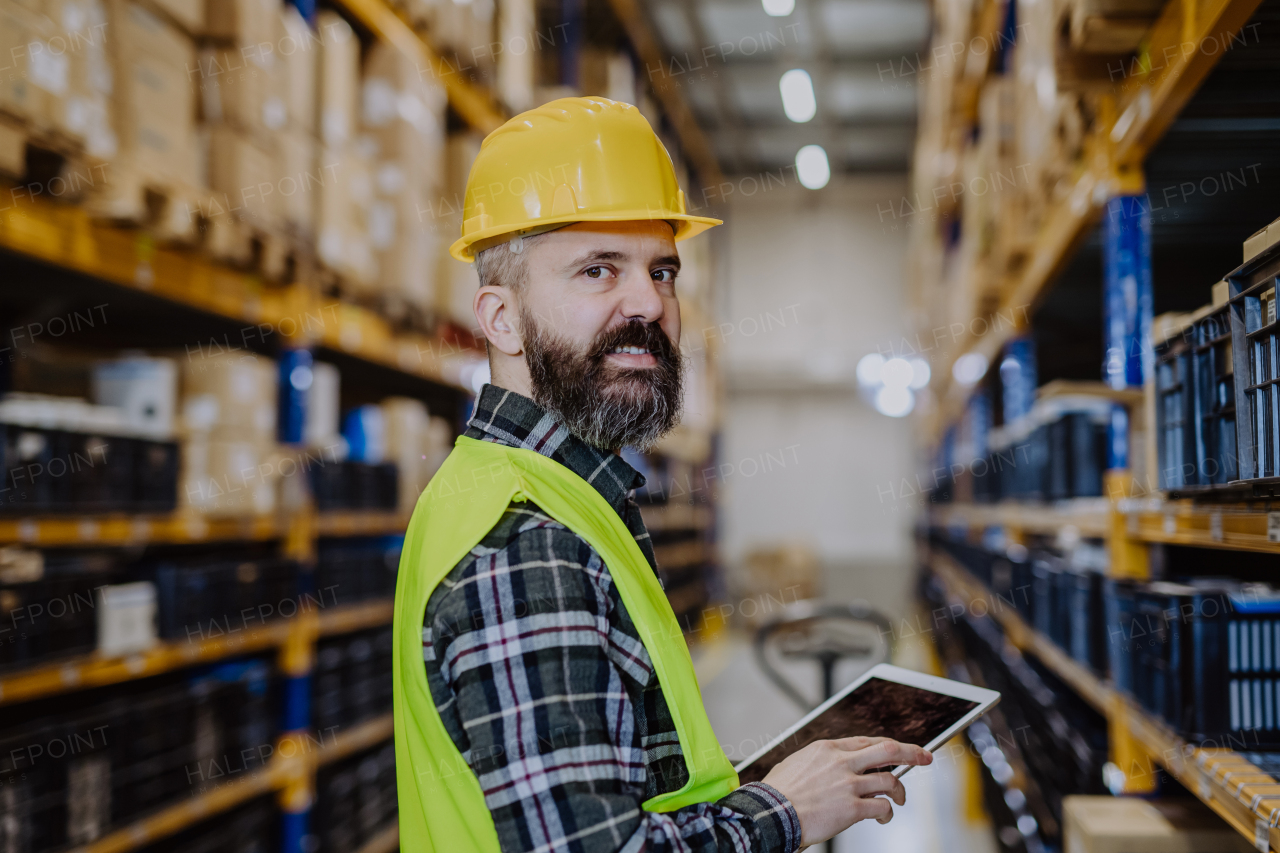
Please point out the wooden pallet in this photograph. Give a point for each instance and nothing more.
(127, 195)
(274, 252)
(46, 163)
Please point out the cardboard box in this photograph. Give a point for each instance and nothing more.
(242, 22)
(188, 14)
(1131, 825)
(229, 394)
(154, 100)
(86, 110)
(342, 216)
(299, 52)
(406, 248)
(228, 477)
(244, 90)
(338, 79)
(405, 114)
(405, 422)
(517, 62)
(457, 282)
(299, 182)
(245, 173)
(19, 96)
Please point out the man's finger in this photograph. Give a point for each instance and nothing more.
(853, 744)
(872, 784)
(883, 810)
(889, 753)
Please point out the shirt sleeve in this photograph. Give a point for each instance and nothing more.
(540, 683)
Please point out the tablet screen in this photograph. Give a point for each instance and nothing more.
(875, 708)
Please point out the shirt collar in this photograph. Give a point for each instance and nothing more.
(513, 419)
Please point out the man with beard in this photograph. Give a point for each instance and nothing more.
(544, 697)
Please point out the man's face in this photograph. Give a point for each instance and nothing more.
(601, 325)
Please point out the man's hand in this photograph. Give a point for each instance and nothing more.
(828, 784)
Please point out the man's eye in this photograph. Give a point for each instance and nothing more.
(664, 275)
(595, 272)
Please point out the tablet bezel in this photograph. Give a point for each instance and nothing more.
(985, 698)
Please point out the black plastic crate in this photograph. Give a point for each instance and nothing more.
(355, 800)
(357, 569)
(1256, 365)
(355, 485)
(50, 470)
(203, 597)
(352, 679)
(1196, 406)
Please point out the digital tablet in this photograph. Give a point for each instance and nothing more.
(887, 701)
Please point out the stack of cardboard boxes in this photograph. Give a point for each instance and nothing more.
(155, 170)
(346, 194)
(55, 85)
(402, 119)
(230, 458)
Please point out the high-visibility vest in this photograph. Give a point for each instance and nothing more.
(442, 807)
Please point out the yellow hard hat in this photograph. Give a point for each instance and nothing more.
(570, 160)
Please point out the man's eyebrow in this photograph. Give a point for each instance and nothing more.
(669, 261)
(596, 256)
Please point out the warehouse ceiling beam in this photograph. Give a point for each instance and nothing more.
(473, 103)
(694, 142)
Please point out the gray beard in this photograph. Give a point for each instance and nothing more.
(603, 406)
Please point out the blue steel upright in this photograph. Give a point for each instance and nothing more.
(1127, 308)
(1127, 299)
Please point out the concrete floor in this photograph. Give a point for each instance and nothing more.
(747, 710)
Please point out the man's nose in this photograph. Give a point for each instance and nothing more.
(640, 299)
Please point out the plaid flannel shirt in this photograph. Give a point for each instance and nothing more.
(544, 686)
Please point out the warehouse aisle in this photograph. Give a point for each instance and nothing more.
(747, 710)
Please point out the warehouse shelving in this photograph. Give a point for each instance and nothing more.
(1216, 776)
(67, 248)
(66, 237)
(93, 670)
(188, 812)
(293, 758)
(1148, 99)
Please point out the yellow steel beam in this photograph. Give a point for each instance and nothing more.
(1184, 44)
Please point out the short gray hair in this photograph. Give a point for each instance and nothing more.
(506, 264)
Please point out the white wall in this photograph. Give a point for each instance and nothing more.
(812, 281)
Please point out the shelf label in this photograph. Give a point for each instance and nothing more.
(1204, 789)
(1215, 526)
(1262, 835)
(1273, 527)
(1170, 525)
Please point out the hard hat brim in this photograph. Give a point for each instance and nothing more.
(690, 226)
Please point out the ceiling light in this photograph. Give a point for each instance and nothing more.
(920, 374)
(797, 95)
(779, 8)
(896, 373)
(969, 368)
(812, 167)
(869, 368)
(896, 402)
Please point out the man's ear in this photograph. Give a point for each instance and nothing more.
(496, 311)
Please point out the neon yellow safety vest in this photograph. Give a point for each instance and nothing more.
(442, 807)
